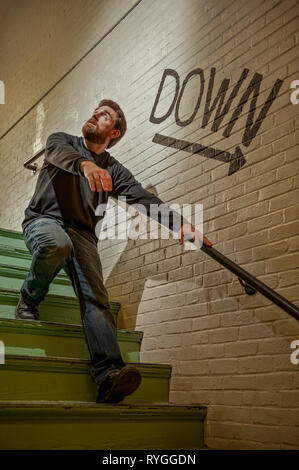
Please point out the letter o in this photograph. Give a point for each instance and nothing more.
(202, 83)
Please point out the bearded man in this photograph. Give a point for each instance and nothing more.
(79, 174)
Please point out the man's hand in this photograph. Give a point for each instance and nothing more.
(96, 176)
(188, 231)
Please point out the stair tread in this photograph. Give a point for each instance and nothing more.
(77, 360)
(86, 404)
(29, 324)
(93, 410)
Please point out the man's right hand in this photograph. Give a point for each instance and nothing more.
(96, 176)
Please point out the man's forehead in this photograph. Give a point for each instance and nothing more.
(106, 108)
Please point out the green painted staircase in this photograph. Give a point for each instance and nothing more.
(47, 397)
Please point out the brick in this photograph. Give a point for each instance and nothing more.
(262, 398)
(206, 323)
(283, 263)
(255, 364)
(276, 188)
(285, 231)
(255, 331)
(181, 273)
(288, 278)
(267, 221)
(242, 202)
(251, 241)
(223, 366)
(223, 305)
(215, 279)
(291, 213)
(160, 291)
(241, 348)
(285, 200)
(282, 380)
(286, 328)
(168, 265)
(224, 335)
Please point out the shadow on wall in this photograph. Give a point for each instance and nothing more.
(125, 279)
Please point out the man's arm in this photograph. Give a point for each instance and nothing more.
(61, 153)
(125, 185)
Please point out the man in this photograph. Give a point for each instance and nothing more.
(76, 178)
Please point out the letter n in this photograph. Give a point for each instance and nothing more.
(251, 128)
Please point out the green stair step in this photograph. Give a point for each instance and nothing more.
(86, 426)
(18, 257)
(12, 277)
(59, 378)
(54, 308)
(34, 338)
(12, 238)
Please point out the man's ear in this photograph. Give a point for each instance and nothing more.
(114, 133)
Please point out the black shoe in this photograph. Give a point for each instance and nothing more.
(25, 311)
(119, 384)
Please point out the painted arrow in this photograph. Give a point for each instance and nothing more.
(236, 159)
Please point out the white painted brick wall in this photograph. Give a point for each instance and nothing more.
(229, 351)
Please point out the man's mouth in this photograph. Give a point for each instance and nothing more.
(91, 122)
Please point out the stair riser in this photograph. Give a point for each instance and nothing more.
(51, 309)
(63, 346)
(67, 385)
(100, 427)
(101, 434)
(16, 241)
(15, 281)
(52, 313)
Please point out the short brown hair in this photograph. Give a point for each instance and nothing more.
(120, 123)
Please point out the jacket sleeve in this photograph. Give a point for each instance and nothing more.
(126, 186)
(60, 152)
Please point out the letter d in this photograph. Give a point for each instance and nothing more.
(174, 74)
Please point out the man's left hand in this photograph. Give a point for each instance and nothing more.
(190, 232)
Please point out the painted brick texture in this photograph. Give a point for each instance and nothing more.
(229, 351)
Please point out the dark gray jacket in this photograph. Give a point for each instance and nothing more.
(63, 192)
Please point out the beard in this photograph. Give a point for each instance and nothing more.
(91, 134)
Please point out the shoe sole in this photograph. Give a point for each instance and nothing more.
(19, 317)
(125, 383)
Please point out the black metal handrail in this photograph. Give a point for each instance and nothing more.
(252, 282)
(29, 163)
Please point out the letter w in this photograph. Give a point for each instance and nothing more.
(221, 112)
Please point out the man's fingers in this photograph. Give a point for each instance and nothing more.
(98, 180)
(91, 183)
(207, 242)
(107, 183)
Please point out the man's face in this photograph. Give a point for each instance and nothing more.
(100, 125)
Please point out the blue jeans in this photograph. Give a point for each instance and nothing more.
(53, 246)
